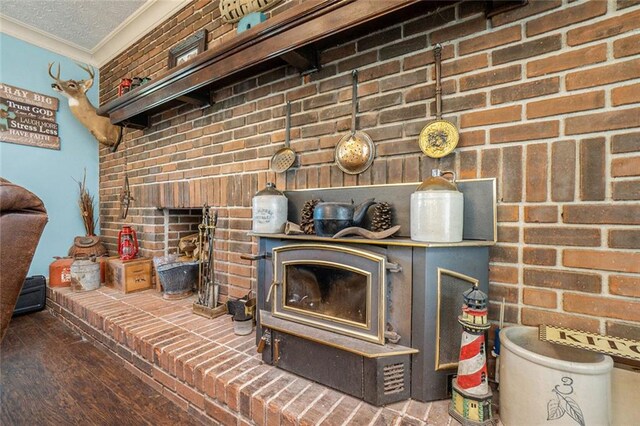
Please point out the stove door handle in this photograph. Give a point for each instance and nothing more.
(273, 284)
(394, 267)
(254, 257)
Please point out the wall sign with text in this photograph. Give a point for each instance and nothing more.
(28, 118)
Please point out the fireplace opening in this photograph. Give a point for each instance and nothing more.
(328, 290)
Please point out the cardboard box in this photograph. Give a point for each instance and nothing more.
(130, 275)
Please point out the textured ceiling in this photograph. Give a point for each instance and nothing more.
(81, 22)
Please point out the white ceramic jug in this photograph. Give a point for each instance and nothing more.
(437, 210)
(269, 210)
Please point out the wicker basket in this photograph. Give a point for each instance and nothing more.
(234, 10)
(177, 278)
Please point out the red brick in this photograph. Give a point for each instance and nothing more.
(541, 214)
(565, 17)
(540, 298)
(604, 29)
(503, 254)
(508, 234)
(626, 166)
(508, 213)
(602, 214)
(626, 95)
(629, 142)
(460, 30)
(492, 77)
(565, 104)
(532, 8)
(527, 49)
(567, 60)
(525, 132)
(602, 307)
(626, 46)
(592, 169)
(472, 138)
(468, 165)
(624, 238)
(487, 41)
(512, 175)
(508, 292)
(604, 121)
(553, 236)
(618, 261)
(600, 76)
(624, 285)
(563, 166)
(539, 256)
(220, 413)
(463, 65)
(492, 116)
(625, 330)
(528, 90)
(536, 178)
(536, 317)
(626, 190)
(563, 280)
(503, 274)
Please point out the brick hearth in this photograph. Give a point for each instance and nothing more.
(210, 372)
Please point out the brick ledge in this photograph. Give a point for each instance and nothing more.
(208, 371)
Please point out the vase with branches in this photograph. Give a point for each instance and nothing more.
(90, 244)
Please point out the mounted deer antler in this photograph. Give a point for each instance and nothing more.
(80, 106)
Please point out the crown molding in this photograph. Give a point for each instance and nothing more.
(141, 22)
(145, 19)
(45, 40)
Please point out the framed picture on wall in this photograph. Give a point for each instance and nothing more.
(188, 48)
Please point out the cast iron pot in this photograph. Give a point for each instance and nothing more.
(330, 217)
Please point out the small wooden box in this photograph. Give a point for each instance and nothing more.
(130, 275)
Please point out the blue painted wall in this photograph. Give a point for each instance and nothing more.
(50, 173)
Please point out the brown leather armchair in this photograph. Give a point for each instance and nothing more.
(22, 220)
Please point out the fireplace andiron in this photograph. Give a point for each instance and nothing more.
(207, 303)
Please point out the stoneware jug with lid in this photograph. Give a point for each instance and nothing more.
(437, 210)
(269, 210)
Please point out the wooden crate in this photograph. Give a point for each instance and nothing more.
(130, 275)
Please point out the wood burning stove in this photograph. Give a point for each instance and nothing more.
(376, 319)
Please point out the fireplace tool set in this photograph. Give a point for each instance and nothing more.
(207, 303)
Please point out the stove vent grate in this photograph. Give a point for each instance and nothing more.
(393, 378)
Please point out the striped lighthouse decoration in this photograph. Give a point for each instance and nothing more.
(471, 395)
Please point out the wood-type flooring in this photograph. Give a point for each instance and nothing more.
(50, 375)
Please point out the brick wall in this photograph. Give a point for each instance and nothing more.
(547, 98)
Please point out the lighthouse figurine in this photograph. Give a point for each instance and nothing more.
(471, 395)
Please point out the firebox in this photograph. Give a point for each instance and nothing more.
(331, 287)
(376, 319)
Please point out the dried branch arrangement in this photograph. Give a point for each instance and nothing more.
(85, 202)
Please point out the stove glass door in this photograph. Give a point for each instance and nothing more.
(332, 287)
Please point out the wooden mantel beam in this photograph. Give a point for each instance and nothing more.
(288, 35)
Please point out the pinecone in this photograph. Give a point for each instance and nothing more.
(306, 216)
(381, 219)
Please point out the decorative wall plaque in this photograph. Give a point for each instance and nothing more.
(28, 118)
(616, 346)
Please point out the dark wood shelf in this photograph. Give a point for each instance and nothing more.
(291, 37)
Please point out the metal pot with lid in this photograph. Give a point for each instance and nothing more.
(269, 210)
(437, 210)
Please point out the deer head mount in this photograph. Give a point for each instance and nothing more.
(80, 106)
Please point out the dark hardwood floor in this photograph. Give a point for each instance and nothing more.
(49, 375)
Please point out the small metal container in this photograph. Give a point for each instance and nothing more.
(85, 275)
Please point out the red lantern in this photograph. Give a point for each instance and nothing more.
(127, 243)
(124, 87)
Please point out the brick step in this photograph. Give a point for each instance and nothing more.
(210, 372)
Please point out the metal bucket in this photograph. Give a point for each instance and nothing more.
(178, 279)
(85, 275)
